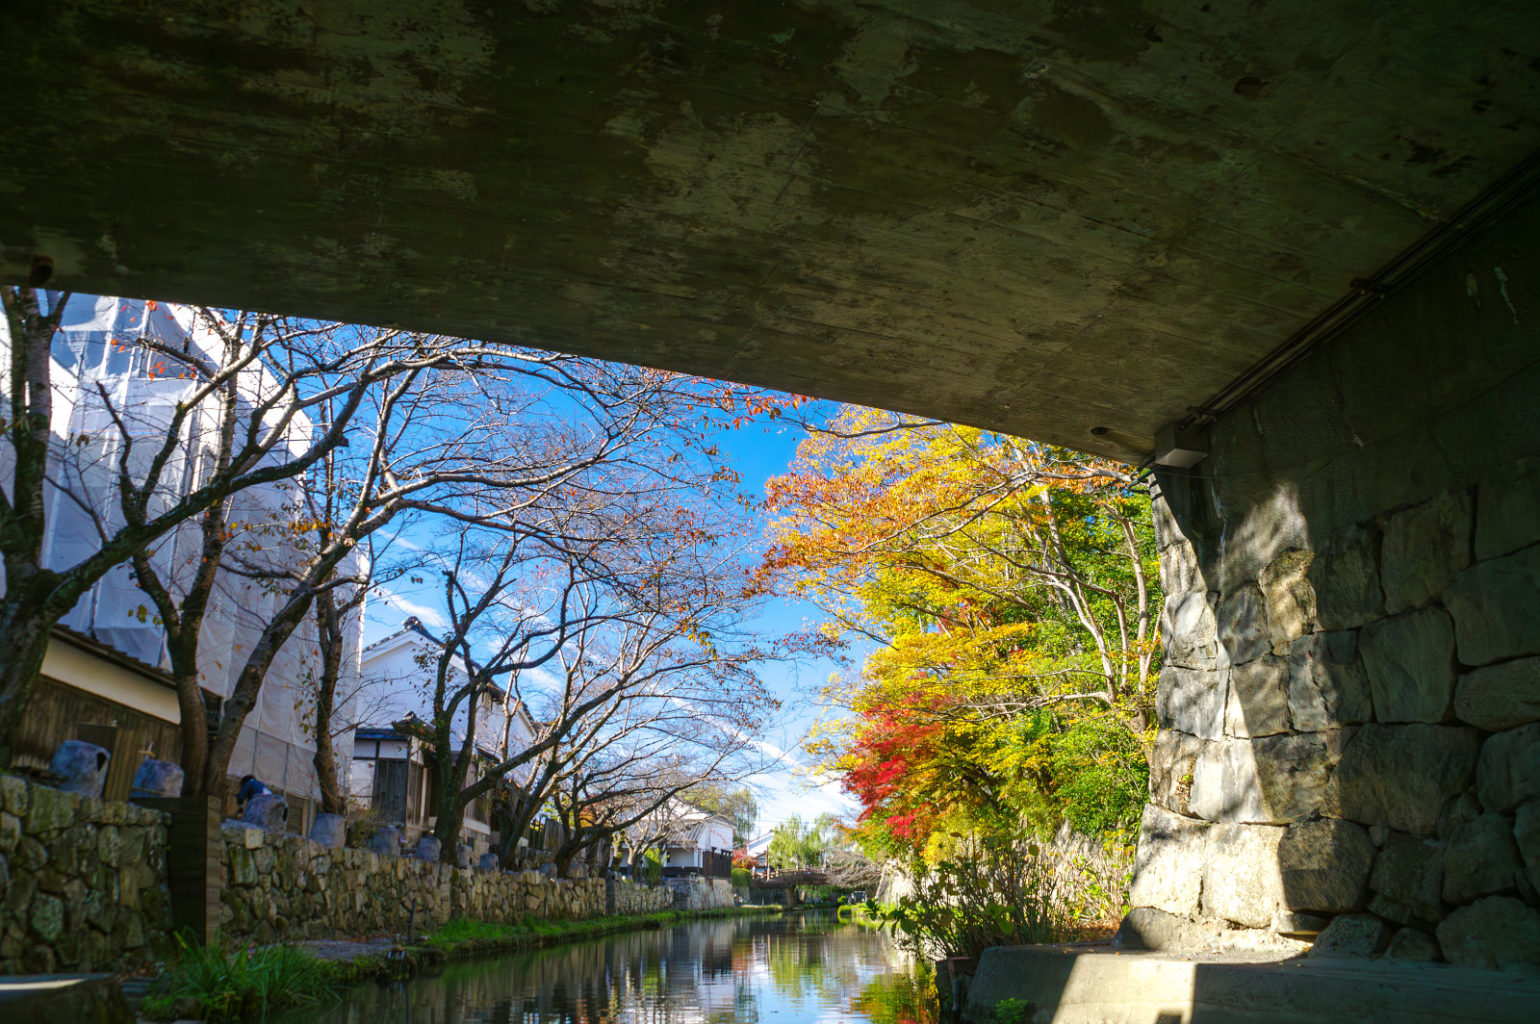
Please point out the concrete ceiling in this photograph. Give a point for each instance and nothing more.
(1042, 217)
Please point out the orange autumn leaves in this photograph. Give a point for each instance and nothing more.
(1003, 593)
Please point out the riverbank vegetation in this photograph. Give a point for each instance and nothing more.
(461, 937)
(998, 599)
(1001, 892)
(219, 985)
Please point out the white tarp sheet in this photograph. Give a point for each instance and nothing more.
(97, 362)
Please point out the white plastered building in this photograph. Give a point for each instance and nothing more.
(392, 769)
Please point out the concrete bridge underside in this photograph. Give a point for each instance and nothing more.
(1074, 221)
(1077, 221)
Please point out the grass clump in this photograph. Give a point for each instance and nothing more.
(227, 986)
(462, 930)
(463, 934)
(867, 915)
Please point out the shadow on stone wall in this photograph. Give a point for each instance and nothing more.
(1350, 703)
(82, 882)
(1080, 985)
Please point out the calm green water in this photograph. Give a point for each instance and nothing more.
(796, 969)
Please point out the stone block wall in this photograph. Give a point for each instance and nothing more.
(1349, 707)
(505, 897)
(694, 892)
(83, 887)
(82, 882)
(284, 888)
(279, 888)
(628, 897)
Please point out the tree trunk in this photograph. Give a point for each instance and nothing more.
(518, 812)
(451, 786)
(449, 824)
(243, 695)
(329, 626)
(32, 602)
(26, 634)
(194, 728)
(183, 624)
(183, 619)
(582, 843)
(603, 857)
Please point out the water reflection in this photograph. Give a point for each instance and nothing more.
(801, 968)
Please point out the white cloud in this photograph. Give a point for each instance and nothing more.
(399, 602)
(782, 795)
(791, 789)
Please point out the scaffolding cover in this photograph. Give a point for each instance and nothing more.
(106, 385)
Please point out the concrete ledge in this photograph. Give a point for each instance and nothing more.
(1099, 985)
(57, 998)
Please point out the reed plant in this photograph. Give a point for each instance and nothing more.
(229, 985)
(1006, 890)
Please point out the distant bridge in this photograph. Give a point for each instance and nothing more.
(781, 886)
(791, 879)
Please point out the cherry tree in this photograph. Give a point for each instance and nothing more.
(120, 450)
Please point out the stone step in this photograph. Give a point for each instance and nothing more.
(56, 998)
(1099, 985)
(134, 990)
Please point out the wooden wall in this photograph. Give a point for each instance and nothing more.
(59, 712)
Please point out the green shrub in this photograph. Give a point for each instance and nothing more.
(362, 824)
(1103, 777)
(741, 878)
(1013, 1011)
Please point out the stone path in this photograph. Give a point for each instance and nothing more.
(344, 949)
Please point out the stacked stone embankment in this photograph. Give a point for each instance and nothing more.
(1349, 707)
(694, 892)
(82, 881)
(632, 898)
(1352, 739)
(83, 887)
(283, 888)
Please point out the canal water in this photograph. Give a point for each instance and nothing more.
(791, 969)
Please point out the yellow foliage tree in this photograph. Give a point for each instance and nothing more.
(1006, 591)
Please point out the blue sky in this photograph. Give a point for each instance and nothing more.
(757, 451)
